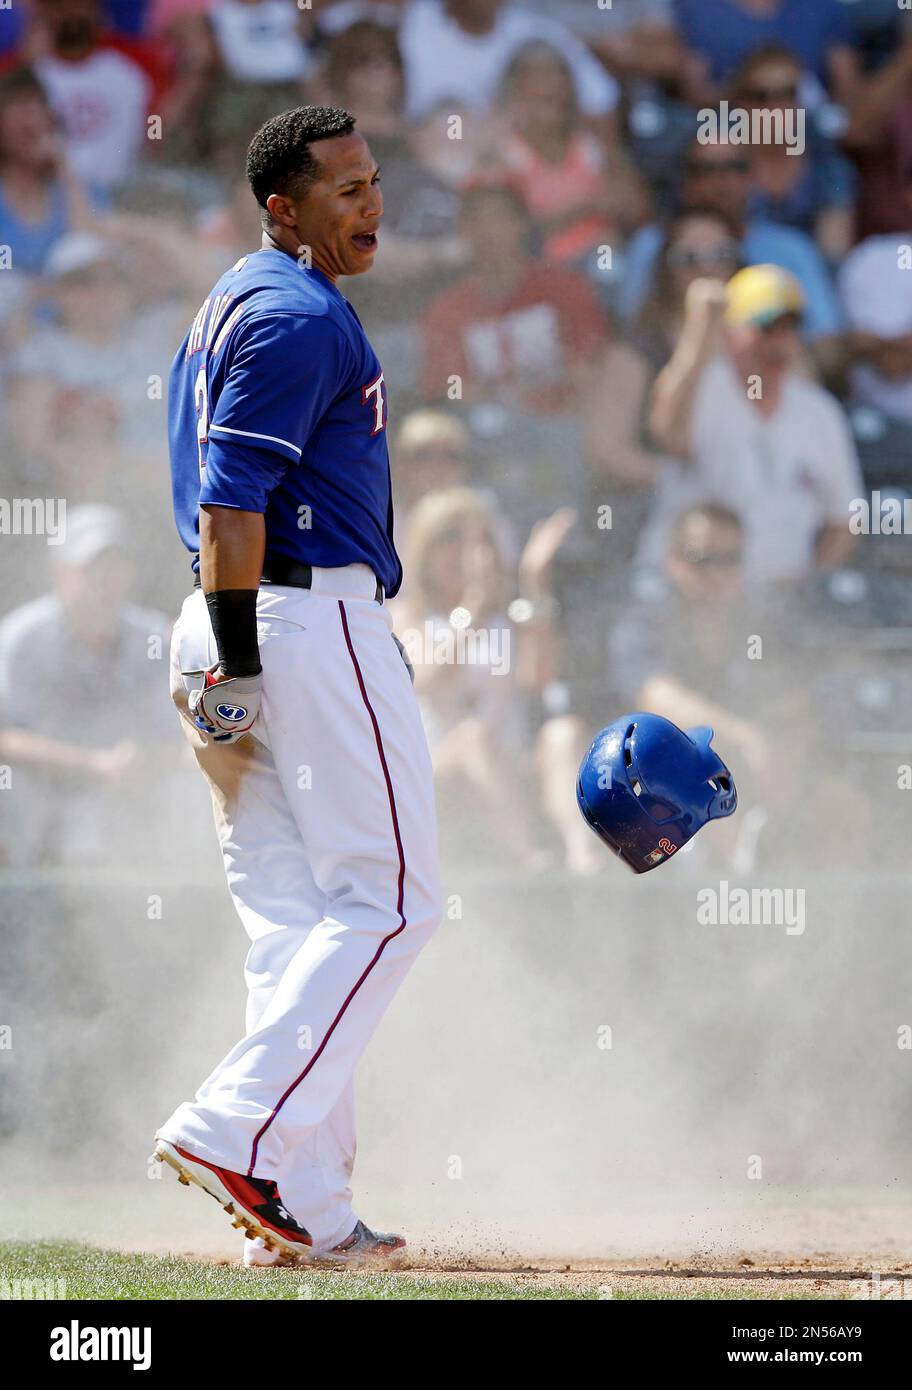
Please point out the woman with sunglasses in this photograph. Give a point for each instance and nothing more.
(698, 243)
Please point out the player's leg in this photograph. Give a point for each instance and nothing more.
(349, 749)
(278, 903)
(315, 1181)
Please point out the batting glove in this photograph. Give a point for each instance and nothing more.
(225, 709)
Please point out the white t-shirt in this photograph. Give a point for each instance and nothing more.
(102, 101)
(876, 294)
(443, 61)
(593, 21)
(786, 475)
(261, 43)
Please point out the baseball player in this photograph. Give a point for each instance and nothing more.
(295, 693)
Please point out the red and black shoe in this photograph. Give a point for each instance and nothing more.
(254, 1203)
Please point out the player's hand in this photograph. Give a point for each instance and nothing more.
(225, 707)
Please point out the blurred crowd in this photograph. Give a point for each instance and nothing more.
(639, 377)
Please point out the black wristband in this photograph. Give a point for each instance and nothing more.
(232, 613)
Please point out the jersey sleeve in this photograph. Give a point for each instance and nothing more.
(285, 371)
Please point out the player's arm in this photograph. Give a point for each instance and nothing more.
(232, 545)
(284, 371)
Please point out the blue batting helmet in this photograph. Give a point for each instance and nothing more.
(646, 787)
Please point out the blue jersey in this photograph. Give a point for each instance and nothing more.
(277, 405)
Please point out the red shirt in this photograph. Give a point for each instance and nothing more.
(520, 350)
(880, 204)
(149, 54)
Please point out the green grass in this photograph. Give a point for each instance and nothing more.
(110, 1274)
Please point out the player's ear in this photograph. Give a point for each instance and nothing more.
(280, 210)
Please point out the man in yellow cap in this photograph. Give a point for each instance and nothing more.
(751, 431)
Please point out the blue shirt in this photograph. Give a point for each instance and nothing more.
(725, 33)
(763, 243)
(277, 404)
(826, 180)
(31, 243)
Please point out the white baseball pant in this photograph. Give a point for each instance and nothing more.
(327, 825)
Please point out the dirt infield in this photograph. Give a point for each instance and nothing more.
(772, 1277)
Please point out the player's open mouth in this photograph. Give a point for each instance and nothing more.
(365, 241)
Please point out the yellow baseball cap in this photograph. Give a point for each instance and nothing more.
(760, 294)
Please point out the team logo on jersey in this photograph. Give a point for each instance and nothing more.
(374, 395)
(232, 714)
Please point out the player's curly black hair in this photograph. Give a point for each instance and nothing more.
(279, 159)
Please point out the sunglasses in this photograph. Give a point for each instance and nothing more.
(688, 258)
(696, 168)
(772, 94)
(701, 559)
(791, 321)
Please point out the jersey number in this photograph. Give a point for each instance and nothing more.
(201, 397)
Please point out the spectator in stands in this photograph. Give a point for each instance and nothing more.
(724, 32)
(459, 50)
(76, 452)
(751, 432)
(682, 651)
(814, 190)
(688, 651)
(101, 87)
(636, 39)
(718, 176)
(875, 283)
(512, 329)
(484, 714)
(581, 192)
(183, 31)
(698, 242)
(431, 454)
(71, 662)
(452, 162)
(104, 338)
(333, 16)
(879, 138)
(364, 73)
(262, 41)
(40, 200)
